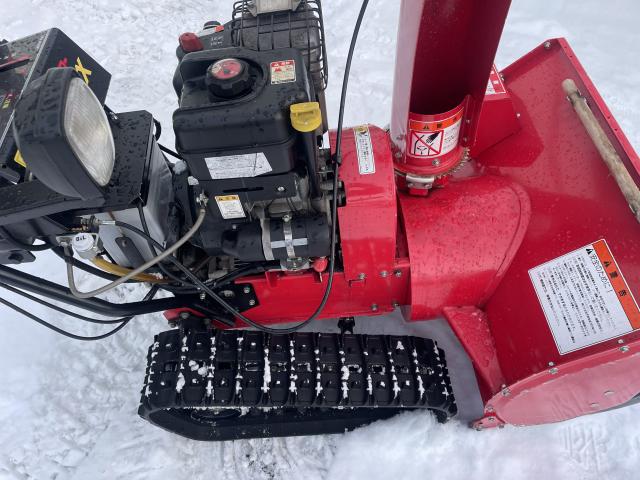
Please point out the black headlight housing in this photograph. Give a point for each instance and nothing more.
(64, 135)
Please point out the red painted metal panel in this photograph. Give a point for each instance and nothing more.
(461, 239)
(575, 202)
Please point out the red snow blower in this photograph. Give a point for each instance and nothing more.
(505, 201)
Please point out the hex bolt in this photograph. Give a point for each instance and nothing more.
(173, 324)
(286, 218)
(246, 289)
(398, 273)
(553, 370)
(621, 341)
(624, 349)
(362, 276)
(281, 189)
(252, 302)
(374, 307)
(505, 391)
(384, 274)
(551, 364)
(547, 45)
(435, 163)
(184, 315)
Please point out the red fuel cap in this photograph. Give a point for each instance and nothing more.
(227, 69)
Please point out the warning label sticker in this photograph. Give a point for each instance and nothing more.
(435, 138)
(230, 207)
(283, 71)
(366, 160)
(495, 85)
(238, 166)
(585, 298)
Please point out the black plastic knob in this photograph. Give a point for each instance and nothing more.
(229, 78)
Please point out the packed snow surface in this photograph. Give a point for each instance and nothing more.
(68, 409)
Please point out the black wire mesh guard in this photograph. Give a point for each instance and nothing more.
(302, 29)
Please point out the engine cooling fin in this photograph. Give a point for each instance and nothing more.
(208, 384)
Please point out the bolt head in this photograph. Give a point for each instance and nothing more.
(624, 349)
(374, 307)
(384, 274)
(435, 162)
(553, 370)
(252, 302)
(547, 45)
(246, 290)
(184, 315)
(286, 218)
(398, 273)
(362, 276)
(281, 189)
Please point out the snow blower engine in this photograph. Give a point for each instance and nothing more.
(506, 202)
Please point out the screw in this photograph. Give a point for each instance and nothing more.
(362, 276)
(621, 341)
(624, 349)
(281, 189)
(384, 274)
(505, 391)
(547, 45)
(553, 370)
(228, 293)
(398, 273)
(252, 302)
(246, 290)
(286, 218)
(435, 163)
(374, 307)
(551, 364)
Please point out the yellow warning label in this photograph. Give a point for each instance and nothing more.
(19, 160)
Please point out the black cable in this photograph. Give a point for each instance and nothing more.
(60, 309)
(73, 336)
(170, 152)
(334, 213)
(145, 228)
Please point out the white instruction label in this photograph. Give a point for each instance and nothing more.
(238, 166)
(364, 147)
(585, 298)
(230, 206)
(283, 71)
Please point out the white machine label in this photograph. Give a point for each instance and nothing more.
(364, 147)
(283, 71)
(230, 207)
(435, 137)
(585, 298)
(238, 166)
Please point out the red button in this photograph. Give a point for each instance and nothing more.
(190, 42)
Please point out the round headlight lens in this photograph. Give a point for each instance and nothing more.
(88, 132)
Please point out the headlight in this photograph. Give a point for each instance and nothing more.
(64, 135)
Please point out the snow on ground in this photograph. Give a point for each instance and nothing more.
(68, 410)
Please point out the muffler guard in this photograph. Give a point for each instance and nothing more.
(535, 364)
